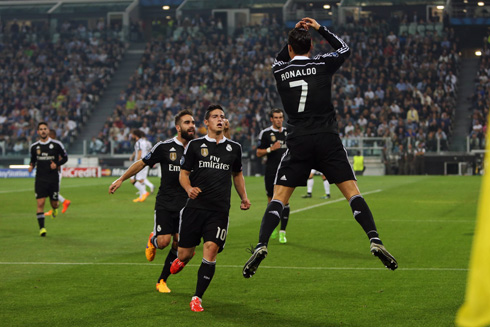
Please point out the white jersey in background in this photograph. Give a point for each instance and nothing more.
(144, 145)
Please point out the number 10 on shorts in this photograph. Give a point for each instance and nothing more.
(221, 234)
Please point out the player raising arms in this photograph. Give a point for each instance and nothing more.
(313, 141)
(171, 196)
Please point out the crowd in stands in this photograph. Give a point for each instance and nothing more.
(194, 65)
(54, 78)
(397, 86)
(480, 101)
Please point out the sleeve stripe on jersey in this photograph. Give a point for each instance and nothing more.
(344, 47)
(59, 143)
(278, 63)
(156, 146)
(263, 131)
(302, 66)
(34, 144)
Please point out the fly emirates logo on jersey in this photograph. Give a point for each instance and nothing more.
(214, 163)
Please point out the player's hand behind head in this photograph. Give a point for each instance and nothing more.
(311, 22)
(301, 24)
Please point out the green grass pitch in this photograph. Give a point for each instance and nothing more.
(91, 270)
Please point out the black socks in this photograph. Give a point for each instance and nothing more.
(364, 217)
(204, 276)
(285, 217)
(271, 219)
(172, 255)
(40, 219)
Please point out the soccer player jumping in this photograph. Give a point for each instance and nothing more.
(313, 141)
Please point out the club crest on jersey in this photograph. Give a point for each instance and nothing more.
(273, 137)
(51, 146)
(204, 152)
(38, 150)
(173, 156)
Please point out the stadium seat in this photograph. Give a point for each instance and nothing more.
(403, 29)
(429, 28)
(412, 28)
(439, 29)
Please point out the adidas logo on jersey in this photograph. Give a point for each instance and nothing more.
(283, 178)
(172, 149)
(204, 145)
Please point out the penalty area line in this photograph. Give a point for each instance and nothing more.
(225, 266)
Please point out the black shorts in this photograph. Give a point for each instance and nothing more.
(269, 178)
(45, 189)
(323, 152)
(196, 223)
(166, 222)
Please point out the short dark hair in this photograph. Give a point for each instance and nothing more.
(42, 123)
(276, 111)
(211, 108)
(300, 40)
(139, 133)
(181, 114)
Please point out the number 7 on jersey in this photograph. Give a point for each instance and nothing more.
(304, 93)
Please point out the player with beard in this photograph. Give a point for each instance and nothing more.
(47, 155)
(171, 196)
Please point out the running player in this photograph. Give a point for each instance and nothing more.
(272, 143)
(207, 168)
(171, 196)
(140, 181)
(47, 155)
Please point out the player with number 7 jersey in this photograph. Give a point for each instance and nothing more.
(304, 84)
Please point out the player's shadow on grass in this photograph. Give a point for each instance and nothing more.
(250, 314)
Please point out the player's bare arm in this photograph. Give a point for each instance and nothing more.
(239, 183)
(185, 182)
(131, 171)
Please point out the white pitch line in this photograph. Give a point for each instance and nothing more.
(400, 220)
(329, 202)
(223, 266)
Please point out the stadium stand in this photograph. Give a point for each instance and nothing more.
(480, 101)
(198, 65)
(400, 86)
(56, 80)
